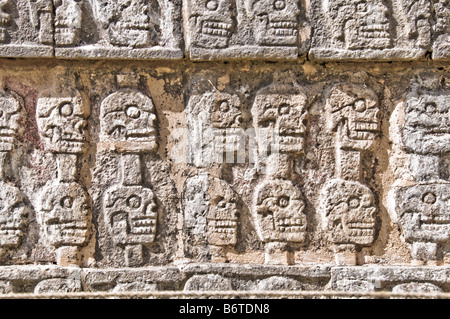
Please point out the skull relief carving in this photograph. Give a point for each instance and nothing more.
(131, 214)
(129, 23)
(427, 127)
(65, 214)
(354, 113)
(67, 22)
(281, 119)
(424, 213)
(5, 19)
(279, 212)
(13, 215)
(275, 22)
(128, 116)
(349, 212)
(211, 22)
(62, 123)
(360, 24)
(11, 115)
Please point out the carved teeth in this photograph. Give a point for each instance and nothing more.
(361, 232)
(216, 28)
(283, 28)
(361, 225)
(134, 26)
(365, 126)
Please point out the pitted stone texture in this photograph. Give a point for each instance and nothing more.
(58, 285)
(136, 29)
(348, 212)
(239, 29)
(216, 128)
(426, 130)
(279, 283)
(210, 215)
(353, 111)
(424, 218)
(62, 121)
(416, 287)
(208, 282)
(12, 116)
(279, 212)
(68, 21)
(441, 44)
(360, 29)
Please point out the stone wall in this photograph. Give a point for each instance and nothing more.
(224, 145)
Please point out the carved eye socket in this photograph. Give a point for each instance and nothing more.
(283, 201)
(429, 198)
(430, 108)
(224, 106)
(133, 112)
(65, 109)
(284, 109)
(66, 202)
(279, 4)
(353, 202)
(134, 201)
(360, 105)
(212, 5)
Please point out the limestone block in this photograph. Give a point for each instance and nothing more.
(441, 40)
(370, 30)
(238, 29)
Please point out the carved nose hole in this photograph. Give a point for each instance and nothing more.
(279, 5)
(212, 5)
(224, 106)
(133, 112)
(65, 109)
(430, 108)
(353, 202)
(360, 105)
(284, 109)
(429, 198)
(283, 201)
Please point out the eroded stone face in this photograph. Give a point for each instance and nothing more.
(280, 119)
(275, 22)
(359, 24)
(62, 122)
(11, 118)
(130, 214)
(211, 22)
(13, 216)
(348, 212)
(354, 113)
(126, 22)
(5, 19)
(65, 213)
(127, 116)
(424, 213)
(68, 17)
(427, 124)
(279, 212)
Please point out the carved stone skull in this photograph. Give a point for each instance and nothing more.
(62, 122)
(281, 119)
(354, 112)
(130, 214)
(127, 22)
(128, 116)
(279, 212)
(13, 216)
(211, 22)
(424, 213)
(5, 20)
(65, 213)
(442, 10)
(427, 124)
(275, 22)
(222, 216)
(67, 22)
(348, 212)
(11, 117)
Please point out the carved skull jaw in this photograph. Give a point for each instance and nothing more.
(349, 212)
(67, 22)
(131, 214)
(11, 112)
(66, 214)
(276, 22)
(281, 119)
(126, 23)
(427, 125)
(222, 223)
(62, 123)
(424, 213)
(212, 22)
(128, 118)
(370, 27)
(279, 210)
(13, 216)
